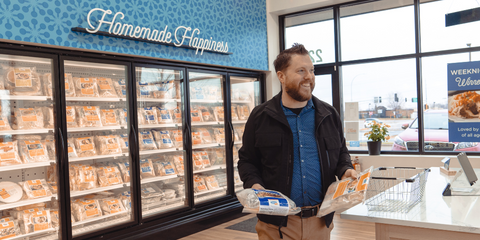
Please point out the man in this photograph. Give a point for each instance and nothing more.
(294, 144)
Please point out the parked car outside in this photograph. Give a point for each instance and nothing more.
(369, 121)
(435, 134)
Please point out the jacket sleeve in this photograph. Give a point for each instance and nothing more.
(344, 160)
(249, 165)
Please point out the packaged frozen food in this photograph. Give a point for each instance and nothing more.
(145, 90)
(199, 184)
(29, 118)
(9, 152)
(197, 161)
(213, 93)
(10, 192)
(344, 194)
(219, 114)
(85, 147)
(109, 117)
(149, 115)
(55, 218)
(37, 188)
(169, 193)
(86, 178)
(196, 137)
(207, 114)
(9, 229)
(4, 122)
(33, 151)
(125, 170)
(47, 84)
(268, 202)
(72, 152)
(84, 209)
(6, 219)
(178, 160)
(234, 113)
(37, 221)
(243, 112)
(164, 115)
(89, 116)
(146, 140)
(53, 187)
(108, 175)
(211, 182)
(121, 87)
(146, 168)
(18, 214)
(111, 206)
(49, 119)
(125, 198)
(69, 85)
(108, 145)
(23, 81)
(124, 142)
(52, 173)
(219, 156)
(196, 93)
(150, 193)
(244, 95)
(205, 159)
(163, 139)
(177, 138)
(196, 115)
(176, 115)
(85, 87)
(105, 87)
(219, 134)
(206, 136)
(50, 145)
(71, 117)
(164, 90)
(122, 114)
(165, 168)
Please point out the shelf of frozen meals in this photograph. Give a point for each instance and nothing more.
(30, 131)
(209, 191)
(212, 168)
(156, 179)
(94, 99)
(153, 209)
(165, 125)
(198, 146)
(205, 101)
(239, 122)
(26, 98)
(97, 218)
(99, 189)
(206, 123)
(21, 203)
(33, 234)
(85, 129)
(26, 165)
(97, 157)
(158, 100)
(97, 226)
(148, 152)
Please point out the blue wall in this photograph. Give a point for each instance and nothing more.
(241, 23)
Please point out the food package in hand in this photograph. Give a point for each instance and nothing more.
(344, 194)
(268, 202)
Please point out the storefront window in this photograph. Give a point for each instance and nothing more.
(364, 35)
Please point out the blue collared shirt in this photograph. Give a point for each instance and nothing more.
(306, 180)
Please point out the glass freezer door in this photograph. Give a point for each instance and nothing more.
(160, 136)
(245, 95)
(28, 189)
(208, 136)
(98, 153)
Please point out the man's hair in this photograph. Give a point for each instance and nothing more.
(283, 59)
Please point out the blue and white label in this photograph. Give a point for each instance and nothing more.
(272, 203)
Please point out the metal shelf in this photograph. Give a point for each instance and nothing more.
(148, 152)
(156, 179)
(158, 100)
(33, 234)
(94, 99)
(209, 169)
(209, 191)
(206, 123)
(97, 218)
(85, 129)
(29, 131)
(205, 101)
(198, 146)
(166, 125)
(100, 189)
(115, 156)
(26, 98)
(26, 165)
(239, 122)
(26, 202)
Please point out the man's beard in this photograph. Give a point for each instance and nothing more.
(294, 92)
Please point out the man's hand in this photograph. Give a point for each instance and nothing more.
(258, 186)
(351, 173)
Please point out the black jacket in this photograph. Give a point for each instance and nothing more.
(266, 156)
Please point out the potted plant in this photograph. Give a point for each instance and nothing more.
(378, 133)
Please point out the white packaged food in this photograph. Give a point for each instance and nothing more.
(125, 198)
(72, 152)
(122, 114)
(49, 119)
(197, 161)
(196, 115)
(146, 140)
(47, 84)
(105, 88)
(86, 177)
(145, 90)
(53, 187)
(69, 85)
(124, 143)
(125, 170)
(219, 156)
(9, 153)
(23, 81)
(235, 154)
(109, 117)
(207, 114)
(219, 134)
(4, 122)
(213, 93)
(146, 168)
(266, 202)
(89, 116)
(85, 87)
(163, 139)
(111, 206)
(205, 159)
(121, 88)
(85, 147)
(72, 175)
(179, 165)
(164, 90)
(84, 209)
(33, 151)
(169, 193)
(239, 131)
(37, 221)
(219, 113)
(164, 115)
(149, 115)
(36, 188)
(176, 115)
(165, 168)
(10, 192)
(149, 191)
(71, 117)
(108, 145)
(108, 175)
(344, 194)
(199, 184)
(177, 138)
(9, 229)
(234, 113)
(196, 137)
(206, 136)
(29, 118)
(211, 182)
(50, 145)
(196, 93)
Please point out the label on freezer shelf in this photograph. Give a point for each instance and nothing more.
(23, 77)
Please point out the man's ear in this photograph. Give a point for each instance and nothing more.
(281, 77)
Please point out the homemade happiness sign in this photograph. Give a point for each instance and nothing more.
(182, 36)
(464, 103)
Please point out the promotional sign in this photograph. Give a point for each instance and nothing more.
(464, 102)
